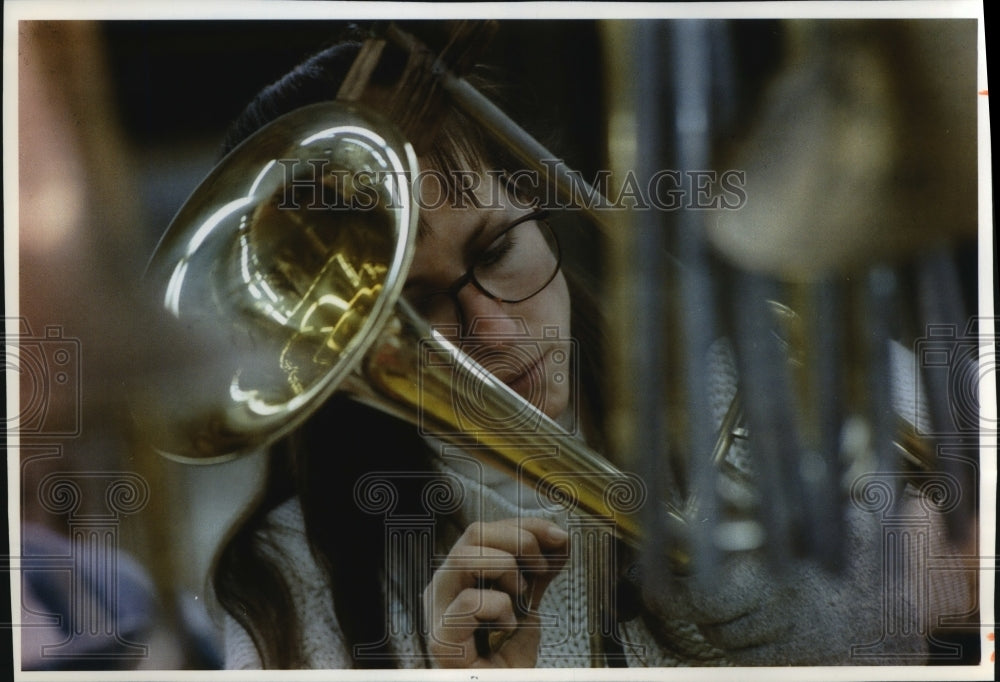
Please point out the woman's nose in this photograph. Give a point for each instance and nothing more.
(483, 316)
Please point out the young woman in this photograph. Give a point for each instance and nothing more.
(376, 546)
(305, 577)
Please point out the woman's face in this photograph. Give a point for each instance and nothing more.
(525, 344)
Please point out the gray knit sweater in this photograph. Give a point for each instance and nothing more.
(805, 616)
(901, 576)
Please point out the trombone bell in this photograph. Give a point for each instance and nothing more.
(274, 278)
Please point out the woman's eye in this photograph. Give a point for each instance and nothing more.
(500, 249)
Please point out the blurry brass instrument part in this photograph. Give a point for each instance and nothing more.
(844, 163)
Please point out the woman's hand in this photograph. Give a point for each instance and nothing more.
(492, 582)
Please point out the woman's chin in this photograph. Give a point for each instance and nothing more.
(551, 400)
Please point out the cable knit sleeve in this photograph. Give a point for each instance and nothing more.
(902, 575)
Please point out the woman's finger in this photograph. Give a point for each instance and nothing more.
(538, 544)
(487, 589)
(473, 567)
(453, 641)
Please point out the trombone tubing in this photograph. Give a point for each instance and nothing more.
(570, 185)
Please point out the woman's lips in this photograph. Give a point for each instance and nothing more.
(523, 383)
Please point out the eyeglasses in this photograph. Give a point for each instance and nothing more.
(518, 264)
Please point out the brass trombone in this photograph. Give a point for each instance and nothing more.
(303, 303)
(294, 304)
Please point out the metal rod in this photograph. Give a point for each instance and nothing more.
(569, 184)
(947, 326)
(881, 296)
(690, 55)
(771, 418)
(820, 467)
(649, 282)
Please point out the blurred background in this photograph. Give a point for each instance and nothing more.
(120, 120)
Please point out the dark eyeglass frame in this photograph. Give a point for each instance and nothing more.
(470, 275)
